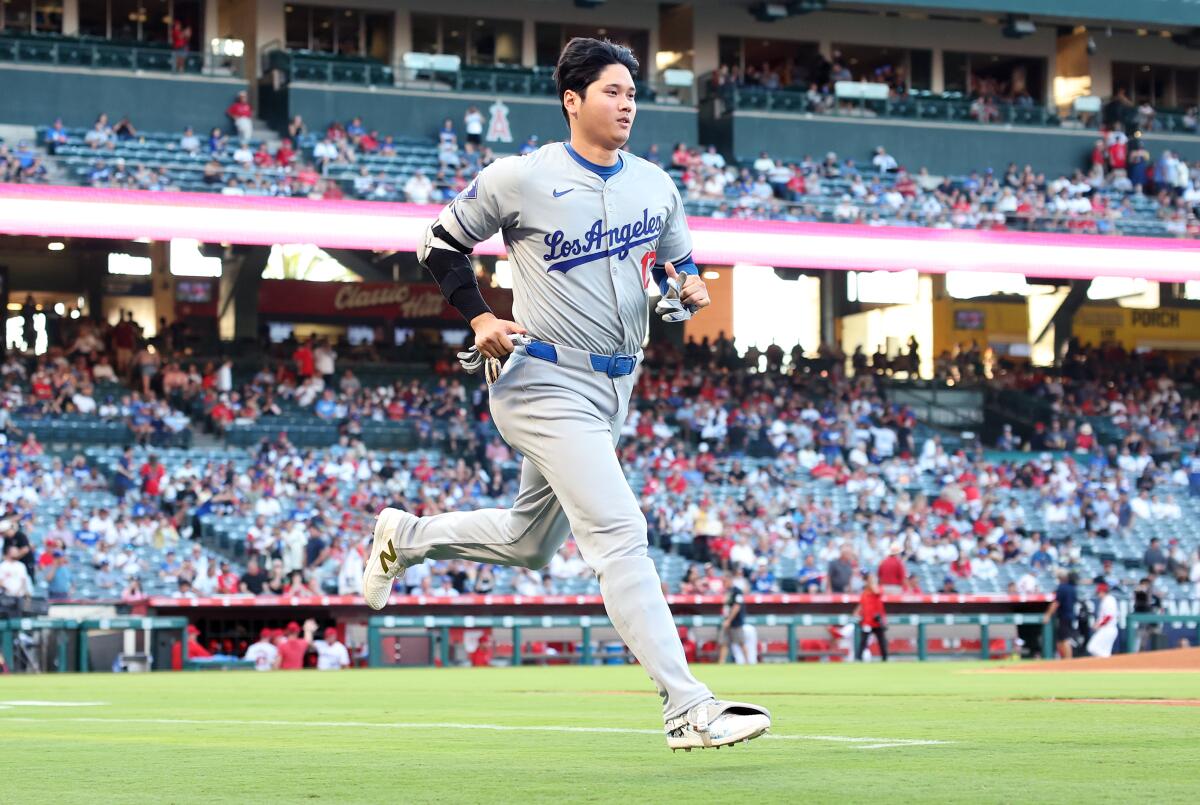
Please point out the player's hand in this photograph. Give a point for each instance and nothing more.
(492, 334)
(693, 291)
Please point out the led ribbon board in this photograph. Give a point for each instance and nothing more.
(129, 214)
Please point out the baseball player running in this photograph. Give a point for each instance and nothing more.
(1105, 629)
(587, 227)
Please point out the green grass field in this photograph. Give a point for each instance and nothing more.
(842, 733)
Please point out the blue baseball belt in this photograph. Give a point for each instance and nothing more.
(617, 365)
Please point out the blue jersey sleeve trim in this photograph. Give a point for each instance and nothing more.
(684, 265)
(463, 226)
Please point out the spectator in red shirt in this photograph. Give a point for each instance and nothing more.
(305, 362)
(1118, 154)
(872, 618)
(285, 154)
(262, 157)
(892, 573)
(228, 582)
(423, 472)
(942, 507)
(152, 474)
(1084, 440)
(961, 566)
(307, 177)
(41, 386)
(222, 415)
(195, 650)
(181, 37)
(242, 115)
(796, 186)
(823, 469)
(293, 647)
(124, 339)
(31, 447)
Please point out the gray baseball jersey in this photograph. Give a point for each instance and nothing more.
(582, 248)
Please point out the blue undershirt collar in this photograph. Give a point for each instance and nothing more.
(603, 171)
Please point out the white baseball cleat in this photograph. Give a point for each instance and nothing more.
(713, 724)
(384, 566)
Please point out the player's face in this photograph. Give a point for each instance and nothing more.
(606, 114)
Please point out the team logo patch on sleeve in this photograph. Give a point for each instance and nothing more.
(472, 192)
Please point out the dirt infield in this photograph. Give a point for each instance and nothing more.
(1179, 659)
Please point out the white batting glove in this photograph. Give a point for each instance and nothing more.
(473, 361)
(669, 306)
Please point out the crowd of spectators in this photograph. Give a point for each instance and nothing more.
(744, 463)
(987, 94)
(233, 162)
(818, 79)
(784, 439)
(96, 371)
(1123, 182)
(51, 529)
(1136, 395)
(22, 164)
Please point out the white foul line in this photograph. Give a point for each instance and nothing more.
(42, 703)
(856, 743)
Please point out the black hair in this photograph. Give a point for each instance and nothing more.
(583, 60)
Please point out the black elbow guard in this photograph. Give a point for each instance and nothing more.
(456, 278)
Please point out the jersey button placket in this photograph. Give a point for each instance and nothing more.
(611, 210)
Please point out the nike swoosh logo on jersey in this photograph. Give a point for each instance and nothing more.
(560, 194)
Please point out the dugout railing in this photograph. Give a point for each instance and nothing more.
(437, 630)
(65, 644)
(1135, 621)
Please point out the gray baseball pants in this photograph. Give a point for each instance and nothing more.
(566, 420)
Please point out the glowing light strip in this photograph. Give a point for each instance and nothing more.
(125, 215)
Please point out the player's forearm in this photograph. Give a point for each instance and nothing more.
(448, 262)
(481, 320)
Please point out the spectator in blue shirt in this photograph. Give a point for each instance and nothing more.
(60, 579)
(56, 136)
(763, 580)
(326, 407)
(1041, 558)
(809, 577)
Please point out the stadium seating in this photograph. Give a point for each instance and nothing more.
(98, 52)
(809, 498)
(503, 79)
(923, 105)
(856, 194)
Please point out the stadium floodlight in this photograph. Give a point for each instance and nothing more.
(129, 265)
(234, 48)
